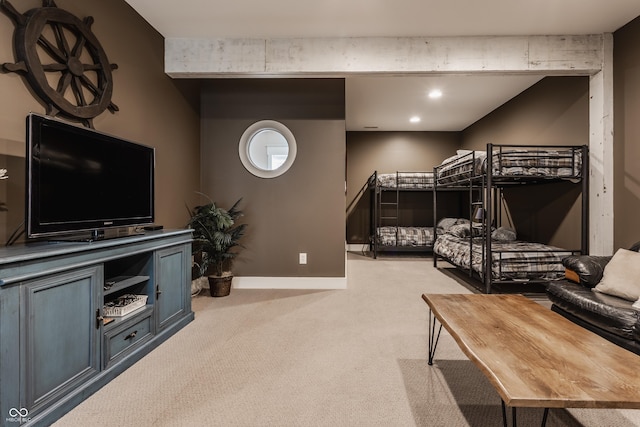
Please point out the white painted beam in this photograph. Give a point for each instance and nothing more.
(204, 57)
(601, 154)
(186, 58)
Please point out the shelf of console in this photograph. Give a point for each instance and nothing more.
(118, 283)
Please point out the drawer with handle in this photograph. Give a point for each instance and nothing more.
(120, 341)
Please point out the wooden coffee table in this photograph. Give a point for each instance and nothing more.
(534, 357)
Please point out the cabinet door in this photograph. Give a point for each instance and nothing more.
(10, 398)
(172, 277)
(60, 335)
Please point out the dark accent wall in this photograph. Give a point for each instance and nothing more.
(302, 210)
(626, 176)
(390, 152)
(555, 111)
(154, 109)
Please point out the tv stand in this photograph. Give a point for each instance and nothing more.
(57, 344)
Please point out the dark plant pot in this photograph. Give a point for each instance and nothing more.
(220, 286)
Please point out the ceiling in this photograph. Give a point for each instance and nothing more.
(387, 103)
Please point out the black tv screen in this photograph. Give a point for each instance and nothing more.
(80, 180)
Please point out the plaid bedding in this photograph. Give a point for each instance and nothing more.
(515, 260)
(406, 180)
(406, 236)
(461, 167)
(565, 163)
(561, 163)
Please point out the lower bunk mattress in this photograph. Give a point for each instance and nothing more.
(510, 261)
(404, 236)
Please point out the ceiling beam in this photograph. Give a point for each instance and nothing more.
(326, 57)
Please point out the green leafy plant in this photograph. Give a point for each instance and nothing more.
(215, 233)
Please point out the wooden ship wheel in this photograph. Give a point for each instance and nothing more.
(62, 62)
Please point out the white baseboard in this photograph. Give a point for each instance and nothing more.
(289, 282)
(358, 247)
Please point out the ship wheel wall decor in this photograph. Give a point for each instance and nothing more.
(62, 62)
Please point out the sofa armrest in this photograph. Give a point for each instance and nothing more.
(589, 268)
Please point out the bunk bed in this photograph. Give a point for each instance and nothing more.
(388, 231)
(480, 243)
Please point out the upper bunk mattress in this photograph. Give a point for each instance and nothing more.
(405, 180)
(511, 162)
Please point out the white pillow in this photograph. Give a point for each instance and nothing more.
(449, 159)
(621, 276)
(503, 234)
(636, 304)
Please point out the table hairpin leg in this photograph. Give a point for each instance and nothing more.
(544, 417)
(504, 414)
(514, 417)
(433, 338)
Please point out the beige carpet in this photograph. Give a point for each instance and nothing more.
(355, 357)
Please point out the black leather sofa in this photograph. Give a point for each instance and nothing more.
(608, 316)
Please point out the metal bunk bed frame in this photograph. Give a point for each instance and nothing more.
(377, 218)
(489, 187)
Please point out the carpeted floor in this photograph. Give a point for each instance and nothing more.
(354, 357)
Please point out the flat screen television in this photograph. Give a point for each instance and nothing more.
(80, 180)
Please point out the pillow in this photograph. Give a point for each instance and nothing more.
(621, 276)
(463, 152)
(503, 234)
(445, 224)
(449, 159)
(636, 304)
(464, 230)
(459, 230)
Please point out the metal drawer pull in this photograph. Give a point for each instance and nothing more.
(131, 335)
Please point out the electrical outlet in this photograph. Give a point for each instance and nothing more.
(302, 258)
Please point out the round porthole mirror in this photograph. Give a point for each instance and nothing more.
(267, 149)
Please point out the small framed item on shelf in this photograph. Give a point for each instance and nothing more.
(124, 305)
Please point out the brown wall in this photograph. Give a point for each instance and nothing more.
(299, 211)
(626, 135)
(555, 111)
(389, 152)
(154, 109)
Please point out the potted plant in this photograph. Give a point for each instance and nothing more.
(216, 233)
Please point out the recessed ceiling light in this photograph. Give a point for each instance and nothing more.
(415, 119)
(436, 93)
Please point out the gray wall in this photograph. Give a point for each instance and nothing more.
(303, 210)
(555, 111)
(627, 135)
(154, 109)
